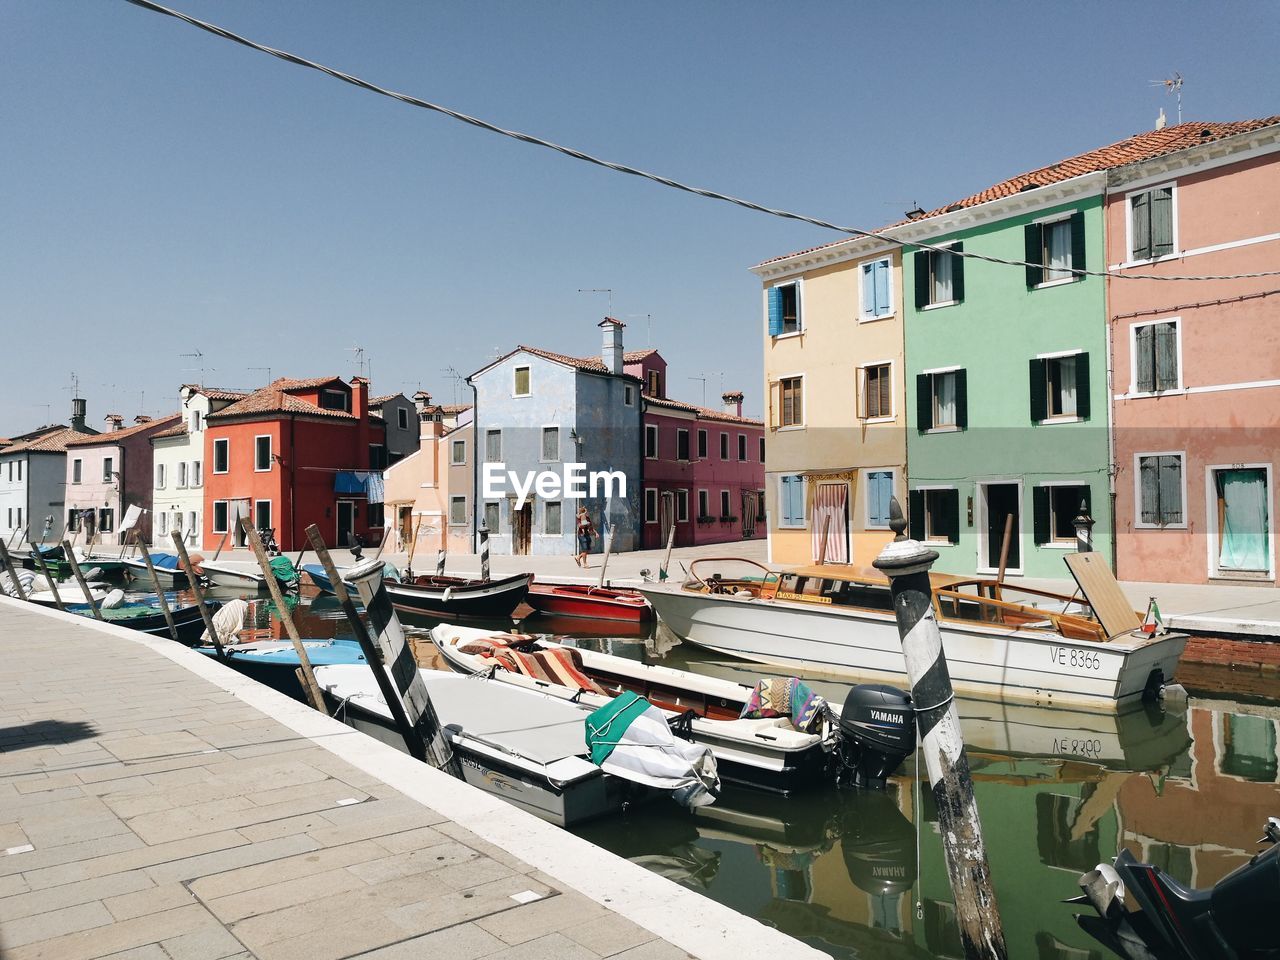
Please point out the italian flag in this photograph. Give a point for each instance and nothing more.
(1153, 623)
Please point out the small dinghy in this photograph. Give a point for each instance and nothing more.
(459, 597)
(767, 753)
(530, 750)
(320, 579)
(275, 662)
(169, 572)
(145, 615)
(583, 600)
(246, 574)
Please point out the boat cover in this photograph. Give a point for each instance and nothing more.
(282, 569)
(165, 561)
(630, 738)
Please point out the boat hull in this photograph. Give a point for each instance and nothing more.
(593, 603)
(186, 621)
(164, 578)
(984, 661)
(230, 577)
(278, 669)
(474, 598)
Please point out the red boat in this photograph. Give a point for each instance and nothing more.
(581, 600)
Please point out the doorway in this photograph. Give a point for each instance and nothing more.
(404, 527)
(521, 528)
(1240, 499)
(346, 522)
(1000, 502)
(749, 510)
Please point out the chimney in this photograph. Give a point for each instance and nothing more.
(421, 400)
(78, 415)
(732, 402)
(611, 351)
(141, 419)
(360, 409)
(114, 421)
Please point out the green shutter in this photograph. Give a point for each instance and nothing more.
(952, 514)
(915, 514)
(924, 402)
(921, 261)
(957, 272)
(1144, 347)
(1034, 250)
(1082, 386)
(962, 400)
(1039, 391)
(1040, 520)
(1077, 241)
(1140, 226)
(1161, 221)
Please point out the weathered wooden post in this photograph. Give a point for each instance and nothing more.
(164, 601)
(309, 686)
(413, 548)
(390, 695)
(1084, 529)
(907, 564)
(484, 550)
(1005, 542)
(193, 580)
(217, 553)
(7, 560)
(666, 558)
(608, 549)
(386, 532)
(75, 569)
(44, 568)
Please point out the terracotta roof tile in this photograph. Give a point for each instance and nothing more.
(54, 442)
(285, 383)
(114, 436)
(272, 399)
(635, 356)
(216, 393)
(593, 364)
(1136, 149)
(177, 430)
(704, 413)
(453, 409)
(379, 401)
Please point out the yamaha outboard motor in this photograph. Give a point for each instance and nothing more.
(879, 845)
(877, 732)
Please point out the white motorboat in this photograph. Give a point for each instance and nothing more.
(169, 574)
(527, 749)
(244, 575)
(837, 620)
(767, 753)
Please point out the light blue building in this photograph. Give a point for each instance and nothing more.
(536, 413)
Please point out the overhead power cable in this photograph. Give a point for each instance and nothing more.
(636, 172)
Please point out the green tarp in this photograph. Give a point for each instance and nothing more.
(606, 726)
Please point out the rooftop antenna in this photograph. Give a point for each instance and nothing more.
(457, 378)
(198, 356)
(268, 369)
(1172, 85)
(360, 361)
(608, 290)
(703, 381)
(648, 326)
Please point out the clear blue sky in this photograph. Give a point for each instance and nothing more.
(167, 191)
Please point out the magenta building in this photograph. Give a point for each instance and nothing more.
(703, 469)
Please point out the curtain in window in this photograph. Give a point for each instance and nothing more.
(942, 289)
(1067, 386)
(1242, 496)
(944, 386)
(830, 514)
(1057, 243)
(1166, 356)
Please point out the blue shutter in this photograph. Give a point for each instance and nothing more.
(869, 303)
(883, 305)
(775, 311)
(879, 490)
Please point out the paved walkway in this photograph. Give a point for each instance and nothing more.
(155, 805)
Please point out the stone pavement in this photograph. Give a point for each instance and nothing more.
(151, 809)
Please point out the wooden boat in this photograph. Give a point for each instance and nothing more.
(245, 574)
(275, 662)
(526, 749)
(839, 620)
(769, 754)
(459, 597)
(169, 575)
(583, 600)
(148, 618)
(320, 579)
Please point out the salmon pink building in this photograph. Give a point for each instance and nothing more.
(294, 453)
(1195, 366)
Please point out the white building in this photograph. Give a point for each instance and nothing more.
(179, 467)
(33, 480)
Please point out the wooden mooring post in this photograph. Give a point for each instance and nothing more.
(44, 568)
(907, 563)
(608, 549)
(193, 582)
(164, 601)
(7, 559)
(484, 550)
(79, 575)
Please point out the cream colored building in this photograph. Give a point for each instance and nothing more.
(833, 361)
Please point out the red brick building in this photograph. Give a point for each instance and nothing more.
(294, 453)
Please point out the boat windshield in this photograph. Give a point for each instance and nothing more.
(726, 574)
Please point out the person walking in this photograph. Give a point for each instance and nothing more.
(586, 530)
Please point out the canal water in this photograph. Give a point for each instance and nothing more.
(861, 874)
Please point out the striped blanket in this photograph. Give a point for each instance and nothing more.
(789, 697)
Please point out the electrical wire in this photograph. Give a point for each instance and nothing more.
(636, 172)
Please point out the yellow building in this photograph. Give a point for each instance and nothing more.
(833, 362)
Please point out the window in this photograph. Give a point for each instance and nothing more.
(1053, 509)
(493, 446)
(261, 453)
(196, 476)
(162, 523)
(1157, 357)
(628, 395)
(1151, 223)
(262, 514)
(791, 403)
(10, 470)
(161, 471)
(19, 516)
(177, 521)
(551, 519)
(939, 276)
(651, 441)
(1054, 249)
(876, 397)
(221, 456)
(106, 520)
(650, 505)
(521, 386)
(182, 473)
(221, 516)
(1160, 490)
(877, 291)
(742, 446)
(550, 444)
(335, 400)
(725, 506)
(458, 452)
(457, 511)
(879, 493)
(682, 506)
(762, 449)
(108, 468)
(760, 514)
(942, 401)
(77, 469)
(1060, 387)
(73, 521)
(791, 500)
(724, 446)
(196, 421)
(402, 417)
(192, 522)
(702, 444)
(682, 444)
(492, 513)
(20, 471)
(784, 309)
(704, 504)
(934, 515)
(653, 380)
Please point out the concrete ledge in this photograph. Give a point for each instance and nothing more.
(694, 923)
(1259, 629)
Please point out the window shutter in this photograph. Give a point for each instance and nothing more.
(962, 399)
(915, 514)
(1165, 356)
(881, 271)
(924, 402)
(1140, 226)
(952, 515)
(957, 272)
(1161, 222)
(1144, 346)
(775, 311)
(1082, 386)
(886, 406)
(1040, 514)
(1039, 390)
(1034, 253)
(1170, 490)
(922, 278)
(862, 386)
(868, 290)
(1148, 474)
(1077, 241)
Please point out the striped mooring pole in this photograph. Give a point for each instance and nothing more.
(440, 558)
(906, 563)
(1084, 529)
(484, 550)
